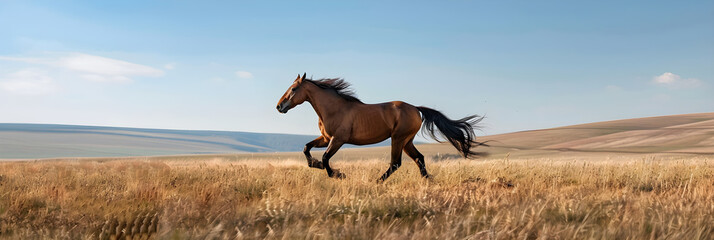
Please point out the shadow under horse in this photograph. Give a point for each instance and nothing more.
(346, 119)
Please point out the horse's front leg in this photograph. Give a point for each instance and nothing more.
(311, 161)
(332, 148)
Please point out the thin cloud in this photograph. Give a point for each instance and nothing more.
(27, 82)
(94, 68)
(106, 69)
(244, 74)
(672, 80)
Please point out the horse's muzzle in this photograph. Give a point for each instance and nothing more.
(282, 108)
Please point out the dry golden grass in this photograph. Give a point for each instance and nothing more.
(222, 198)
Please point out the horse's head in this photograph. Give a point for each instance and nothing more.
(295, 95)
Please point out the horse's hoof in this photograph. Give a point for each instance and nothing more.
(429, 179)
(337, 174)
(315, 164)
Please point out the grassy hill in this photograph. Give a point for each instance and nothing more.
(686, 133)
(22, 141)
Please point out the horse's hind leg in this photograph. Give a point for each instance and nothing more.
(311, 161)
(418, 158)
(397, 146)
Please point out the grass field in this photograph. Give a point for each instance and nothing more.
(277, 196)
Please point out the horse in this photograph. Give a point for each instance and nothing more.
(343, 118)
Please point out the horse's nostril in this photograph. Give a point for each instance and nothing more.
(278, 107)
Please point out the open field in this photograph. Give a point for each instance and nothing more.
(585, 196)
(649, 178)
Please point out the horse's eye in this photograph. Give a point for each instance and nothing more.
(294, 89)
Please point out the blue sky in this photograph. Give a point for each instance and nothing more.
(219, 65)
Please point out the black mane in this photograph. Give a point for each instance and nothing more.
(341, 87)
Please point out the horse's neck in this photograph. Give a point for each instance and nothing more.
(326, 104)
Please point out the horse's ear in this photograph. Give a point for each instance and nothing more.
(304, 75)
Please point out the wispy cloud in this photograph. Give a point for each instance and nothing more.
(244, 74)
(94, 68)
(27, 82)
(31, 60)
(672, 80)
(101, 69)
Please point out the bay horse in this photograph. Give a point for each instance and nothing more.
(346, 119)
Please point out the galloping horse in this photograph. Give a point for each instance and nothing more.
(346, 119)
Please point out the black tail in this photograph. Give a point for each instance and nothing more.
(459, 133)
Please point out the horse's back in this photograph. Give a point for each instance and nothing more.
(392, 112)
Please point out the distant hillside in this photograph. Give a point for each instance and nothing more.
(665, 135)
(687, 133)
(22, 141)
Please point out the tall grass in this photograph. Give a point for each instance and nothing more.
(639, 198)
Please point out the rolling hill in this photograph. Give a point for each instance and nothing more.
(26, 141)
(671, 135)
(687, 133)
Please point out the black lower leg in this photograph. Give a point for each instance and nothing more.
(326, 165)
(417, 157)
(422, 169)
(333, 173)
(331, 150)
(311, 161)
(389, 171)
(397, 147)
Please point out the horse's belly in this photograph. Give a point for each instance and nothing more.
(368, 140)
(370, 132)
